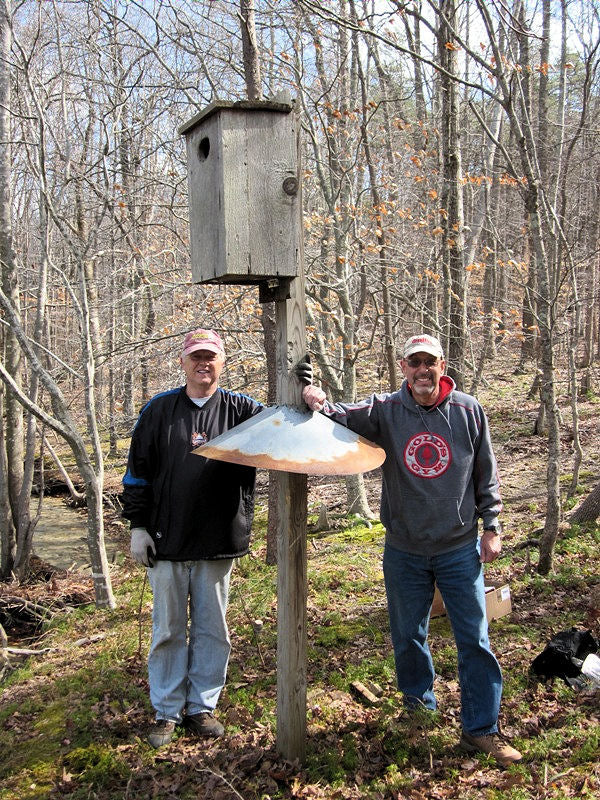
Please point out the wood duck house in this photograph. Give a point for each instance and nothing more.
(244, 192)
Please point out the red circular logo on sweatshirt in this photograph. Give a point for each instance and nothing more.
(427, 455)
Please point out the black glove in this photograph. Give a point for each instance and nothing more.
(304, 370)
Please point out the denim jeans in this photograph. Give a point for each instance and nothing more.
(409, 582)
(187, 663)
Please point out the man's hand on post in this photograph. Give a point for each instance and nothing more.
(142, 547)
(314, 397)
(491, 546)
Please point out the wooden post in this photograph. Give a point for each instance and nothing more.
(291, 542)
(246, 227)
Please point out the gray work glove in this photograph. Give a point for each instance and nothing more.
(142, 547)
(304, 370)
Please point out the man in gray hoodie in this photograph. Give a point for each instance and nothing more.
(439, 480)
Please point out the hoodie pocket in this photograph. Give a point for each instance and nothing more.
(430, 519)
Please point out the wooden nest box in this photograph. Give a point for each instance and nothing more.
(244, 192)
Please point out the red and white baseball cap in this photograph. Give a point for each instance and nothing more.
(203, 339)
(423, 343)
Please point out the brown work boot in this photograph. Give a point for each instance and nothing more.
(493, 744)
(203, 724)
(161, 733)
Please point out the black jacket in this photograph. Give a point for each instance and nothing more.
(193, 507)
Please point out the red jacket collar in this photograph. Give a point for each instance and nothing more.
(446, 386)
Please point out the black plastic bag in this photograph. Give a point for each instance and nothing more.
(563, 655)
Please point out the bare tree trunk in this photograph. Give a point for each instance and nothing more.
(8, 534)
(529, 309)
(578, 450)
(592, 294)
(77, 498)
(26, 524)
(113, 437)
(548, 393)
(414, 43)
(149, 325)
(452, 200)
(589, 510)
(11, 458)
(489, 302)
(377, 202)
(250, 51)
(358, 502)
(83, 230)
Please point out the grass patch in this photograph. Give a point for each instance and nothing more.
(95, 765)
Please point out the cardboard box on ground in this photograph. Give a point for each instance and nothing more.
(497, 602)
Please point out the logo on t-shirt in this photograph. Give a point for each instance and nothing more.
(427, 455)
(199, 438)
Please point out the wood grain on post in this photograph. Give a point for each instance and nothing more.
(290, 333)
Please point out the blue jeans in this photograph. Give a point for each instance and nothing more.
(409, 582)
(187, 669)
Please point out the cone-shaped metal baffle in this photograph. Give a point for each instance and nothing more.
(287, 439)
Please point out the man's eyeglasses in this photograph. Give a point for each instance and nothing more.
(413, 363)
(203, 355)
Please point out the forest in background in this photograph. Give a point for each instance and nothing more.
(450, 184)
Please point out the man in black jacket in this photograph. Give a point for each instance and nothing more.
(190, 518)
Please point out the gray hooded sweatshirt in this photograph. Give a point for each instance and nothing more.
(439, 475)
